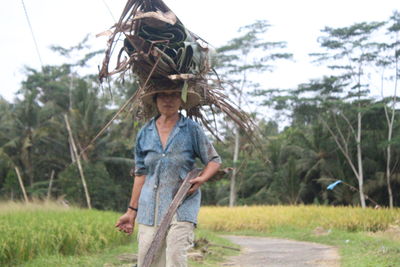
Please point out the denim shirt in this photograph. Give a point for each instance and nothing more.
(165, 168)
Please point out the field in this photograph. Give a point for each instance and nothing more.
(29, 231)
(364, 237)
(270, 218)
(49, 234)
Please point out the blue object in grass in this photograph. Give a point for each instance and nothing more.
(332, 185)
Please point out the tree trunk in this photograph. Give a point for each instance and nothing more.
(50, 185)
(71, 139)
(233, 190)
(390, 122)
(343, 146)
(388, 173)
(21, 184)
(360, 163)
(232, 195)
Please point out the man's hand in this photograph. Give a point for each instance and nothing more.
(126, 222)
(196, 183)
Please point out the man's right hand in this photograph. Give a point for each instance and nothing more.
(126, 222)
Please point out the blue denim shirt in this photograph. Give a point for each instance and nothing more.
(165, 168)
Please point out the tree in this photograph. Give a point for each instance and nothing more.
(35, 139)
(350, 50)
(390, 60)
(242, 55)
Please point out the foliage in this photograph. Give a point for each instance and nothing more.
(101, 187)
(291, 160)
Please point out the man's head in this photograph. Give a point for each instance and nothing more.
(168, 102)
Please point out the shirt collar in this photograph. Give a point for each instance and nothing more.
(181, 123)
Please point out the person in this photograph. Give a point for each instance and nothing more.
(165, 151)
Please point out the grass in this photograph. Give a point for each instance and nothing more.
(51, 235)
(107, 256)
(30, 231)
(269, 218)
(47, 234)
(214, 254)
(110, 257)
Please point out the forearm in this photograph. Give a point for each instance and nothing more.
(136, 189)
(210, 170)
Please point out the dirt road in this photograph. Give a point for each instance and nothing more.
(273, 252)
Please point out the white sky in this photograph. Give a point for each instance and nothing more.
(66, 23)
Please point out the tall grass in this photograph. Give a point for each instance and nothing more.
(28, 231)
(264, 218)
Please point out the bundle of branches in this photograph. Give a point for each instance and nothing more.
(160, 51)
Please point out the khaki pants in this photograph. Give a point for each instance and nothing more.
(173, 252)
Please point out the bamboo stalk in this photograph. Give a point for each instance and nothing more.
(78, 160)
(21, 183)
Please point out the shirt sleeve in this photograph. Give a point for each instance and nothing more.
(140, 168)
(203, 147)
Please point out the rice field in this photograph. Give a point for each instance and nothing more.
(36, 230)
(29, 231)
(265, 218)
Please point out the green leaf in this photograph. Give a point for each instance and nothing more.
(184, 92)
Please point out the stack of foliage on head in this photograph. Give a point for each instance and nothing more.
(163, 54)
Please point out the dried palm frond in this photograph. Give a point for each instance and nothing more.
(152, 32)
(159, 50)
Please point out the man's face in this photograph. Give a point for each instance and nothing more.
(168, 103)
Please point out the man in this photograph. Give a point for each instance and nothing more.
(165, 151)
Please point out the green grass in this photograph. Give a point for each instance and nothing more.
(110, 257)
(46, 234)
(30, 231)
(107, 256)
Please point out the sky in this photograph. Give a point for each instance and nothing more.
(66, 22)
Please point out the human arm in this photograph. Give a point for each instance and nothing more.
(208, 155)
(126, 222)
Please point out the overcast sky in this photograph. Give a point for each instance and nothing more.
(67, 22)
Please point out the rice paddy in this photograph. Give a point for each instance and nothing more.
(29, 231)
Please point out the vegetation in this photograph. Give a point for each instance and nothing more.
(270, 218)
(333, 129)
(49, 234)
(364, 237)
(62, 236)
(29, 231)
(328, 129)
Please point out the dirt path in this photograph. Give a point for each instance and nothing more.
(273, 252)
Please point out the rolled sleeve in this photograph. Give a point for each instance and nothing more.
(140, 168)
(204, 148)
